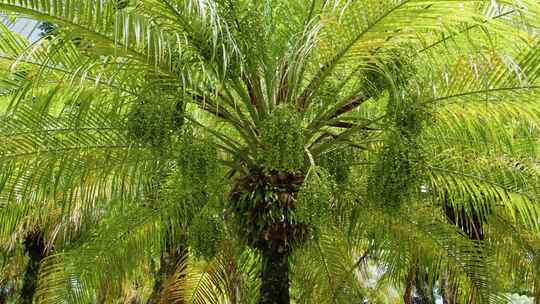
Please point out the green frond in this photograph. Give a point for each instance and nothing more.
(228, 278)
(67, 163)
(117, 251)
(106, 27)
(503, 127)
(477, 192)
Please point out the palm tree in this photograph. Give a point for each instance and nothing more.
(403, 130)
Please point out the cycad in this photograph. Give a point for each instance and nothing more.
(388, 118)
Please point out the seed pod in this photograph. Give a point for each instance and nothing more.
(282, 141)
(204, 235)
(315, 197)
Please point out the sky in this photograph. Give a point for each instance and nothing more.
(26, 27)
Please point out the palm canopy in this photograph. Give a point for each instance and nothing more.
(406, 130)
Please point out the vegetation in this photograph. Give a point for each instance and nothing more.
(237, 151)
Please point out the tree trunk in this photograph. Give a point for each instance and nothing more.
(255, 200)
(170, 260)
(34, 246)
(449, 294)
(3, 296)
(424, 292)
(274, 276)
(409, 286)
(537, 291)
(133, 297)
(100, 297)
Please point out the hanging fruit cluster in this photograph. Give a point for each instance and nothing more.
(395, 69)
(205, 233)
(315, 197)
(398, 172)
(282, 141)
(195, 190)
(197, 160)
(337, 162)
(152, 120)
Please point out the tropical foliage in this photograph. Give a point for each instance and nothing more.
(238, 151)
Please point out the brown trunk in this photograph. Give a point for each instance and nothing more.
(100, 297)
(449, 292)
(254, 199)
(537, 291)
(102, 293)
(409, 286)
(133, 298)
(274, 276)
(170, 260)
(3, 296)
(424, 290)
(35, 248)
(4, 293)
